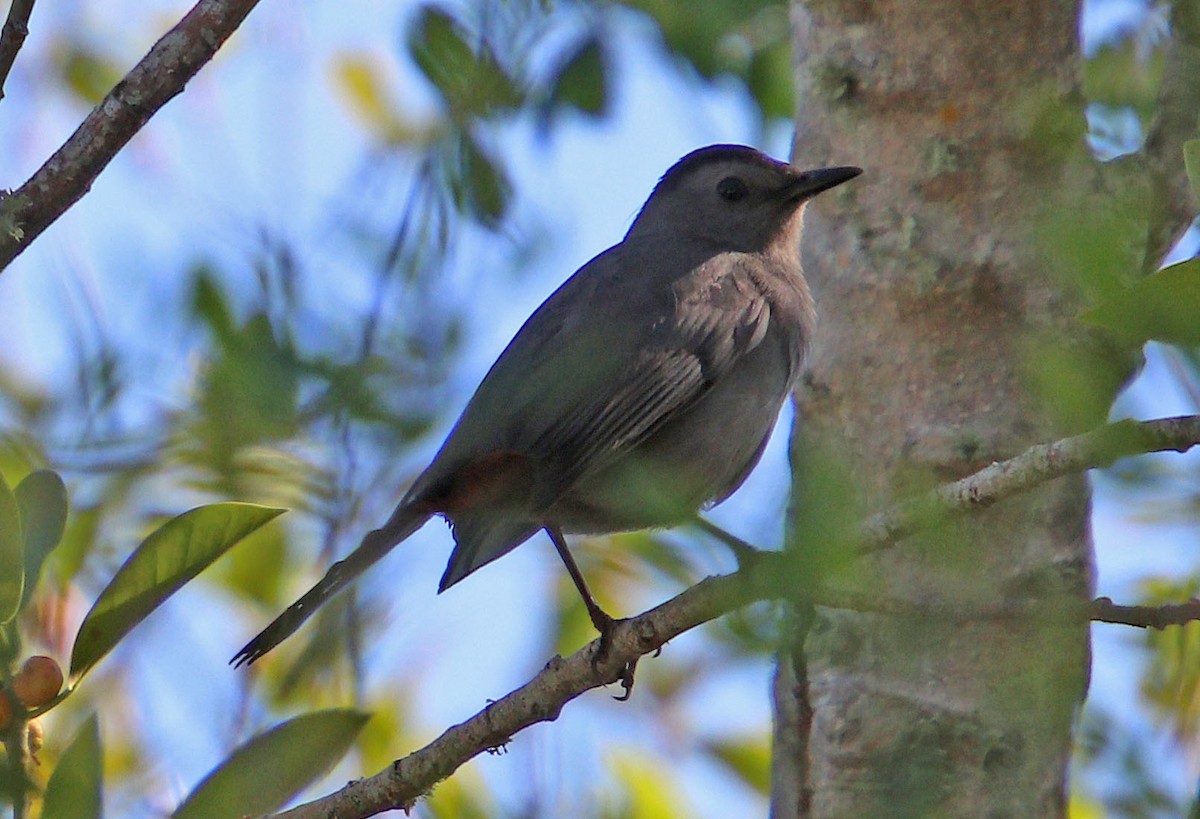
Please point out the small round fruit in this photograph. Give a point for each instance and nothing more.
(38, 681)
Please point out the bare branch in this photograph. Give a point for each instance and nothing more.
(542, 698)
(12, 37)
(1038, 464)
(1104, 610)
(1100, 610)
(162, 73)
(770, 575)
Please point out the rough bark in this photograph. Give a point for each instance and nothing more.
(930, 285)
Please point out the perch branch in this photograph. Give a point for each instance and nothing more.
(768, 576)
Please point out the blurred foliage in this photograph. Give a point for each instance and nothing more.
(1161, 307)
(75, 789)
(1125, 74)
(85, 71)
(1136, 791)
(750, 41)
(1171, 685)
(1095, 238)
(747, 758)
(650, 792)
(296, 752)
(295, 397)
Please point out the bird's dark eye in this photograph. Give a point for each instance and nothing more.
(732, 189)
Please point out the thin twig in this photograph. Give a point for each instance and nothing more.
(768, 576)
(12, 37)
(162, 73)
(1104, 610)
(1099, 448)
(1100, 610)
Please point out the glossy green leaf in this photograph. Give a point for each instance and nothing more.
(1191, 161)
(1162, 307)
(172, 555)
(42, 500)
(295, 754)
(12, 554)
(75, 790)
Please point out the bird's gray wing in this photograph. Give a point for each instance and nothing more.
(717, 314)
(630, 341)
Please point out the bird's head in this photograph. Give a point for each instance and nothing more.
(734, 196)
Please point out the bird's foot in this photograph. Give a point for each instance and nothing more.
(607, 625)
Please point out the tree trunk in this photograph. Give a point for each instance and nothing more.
(930, 285)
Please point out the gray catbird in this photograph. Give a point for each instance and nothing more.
(641, 391)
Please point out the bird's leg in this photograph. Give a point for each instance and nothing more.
(600, 619)
(742, 551)
(603, 621)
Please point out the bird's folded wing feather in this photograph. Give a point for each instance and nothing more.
(621, 348)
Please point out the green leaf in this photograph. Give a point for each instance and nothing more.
(486, 188)
(89, 74)
(78, 540)
(650, 790)
(1120, 75)
(1162, 307)
(295, 753)
(75, 790)
(440, 50)
(12, 554)
(456, 798)
(363, 86)
(172, 555)
(471, 84)
(42, 500)
(1076, 376)
(1191, 161)
(582, 80)
(769, 78)
(210, 305)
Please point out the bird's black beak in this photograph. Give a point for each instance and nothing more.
(808, 184)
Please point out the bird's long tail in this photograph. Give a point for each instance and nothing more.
(377, 543)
